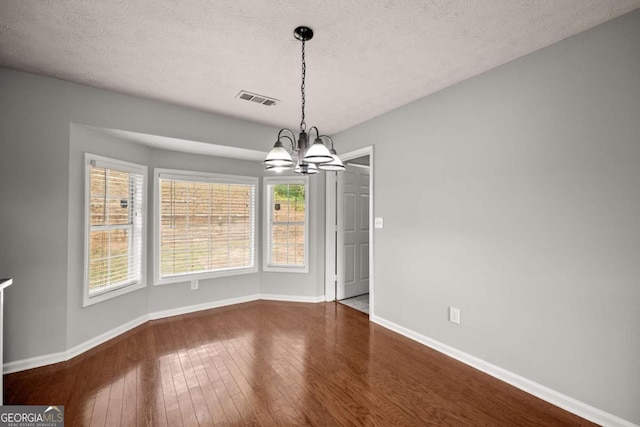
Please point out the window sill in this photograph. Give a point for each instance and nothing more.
(284, 269)
(203, 276)
(90, 300)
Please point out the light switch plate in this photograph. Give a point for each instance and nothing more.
(454, 315)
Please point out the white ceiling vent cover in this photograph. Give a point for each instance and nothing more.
(258, 99)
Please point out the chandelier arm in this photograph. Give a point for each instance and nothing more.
(293, 146)
(317, 132)
(328, 137)
(286, 130)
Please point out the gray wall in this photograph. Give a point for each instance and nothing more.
(34, 156)
(41, 221)
(519, 203)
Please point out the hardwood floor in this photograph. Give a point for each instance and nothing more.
(275, 363)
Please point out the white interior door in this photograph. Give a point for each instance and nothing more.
(353, 232)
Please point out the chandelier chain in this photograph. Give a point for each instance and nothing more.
(303, 125)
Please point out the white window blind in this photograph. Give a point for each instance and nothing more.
(115, 226)
(287, 224)
(206, 226)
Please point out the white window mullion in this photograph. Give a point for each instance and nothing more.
(173, 221)
(210, 228)
(269, 227)
(130, 234)
(188, 227)
(107, 174)
(228, 224)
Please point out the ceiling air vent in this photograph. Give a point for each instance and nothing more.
(258, 99)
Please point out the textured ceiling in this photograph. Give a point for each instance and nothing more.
(367, 56)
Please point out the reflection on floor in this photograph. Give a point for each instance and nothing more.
(360, 303)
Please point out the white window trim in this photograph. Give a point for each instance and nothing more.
(199, 177)
(275, 180)
(90, 159)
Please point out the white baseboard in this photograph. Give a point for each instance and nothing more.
(290, 298)
(34, 362)
(199, 307)
(102, 338)
(63, 356)
(545, 393)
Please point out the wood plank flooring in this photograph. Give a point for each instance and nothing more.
(275, 363)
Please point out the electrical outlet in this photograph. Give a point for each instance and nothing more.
(454, 315)
(378, 222)
(194, 285)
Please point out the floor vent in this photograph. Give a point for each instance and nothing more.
(258, 99)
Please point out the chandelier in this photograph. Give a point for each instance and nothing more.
(308, 158)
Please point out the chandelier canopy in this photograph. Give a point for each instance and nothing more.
(305, 159)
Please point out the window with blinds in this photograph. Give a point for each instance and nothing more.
(287, 225)
(115, 227)
(206, 226)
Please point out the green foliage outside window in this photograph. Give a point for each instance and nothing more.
(289, 192)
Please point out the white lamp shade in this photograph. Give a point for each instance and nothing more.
(277, 169)
(317, 153)
(334, 165)
(278, 156)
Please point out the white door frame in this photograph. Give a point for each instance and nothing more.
(330, 228)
